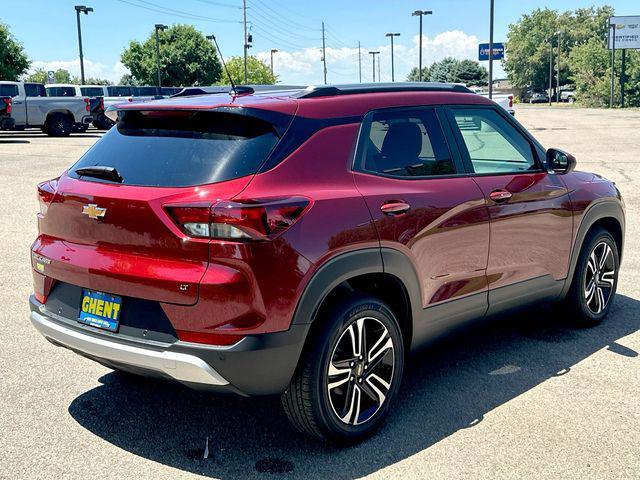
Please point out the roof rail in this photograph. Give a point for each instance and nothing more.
(350, 89)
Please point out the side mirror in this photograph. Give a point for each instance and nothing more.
(560, 161)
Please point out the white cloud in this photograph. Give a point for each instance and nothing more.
(91, 68)
(305, 66)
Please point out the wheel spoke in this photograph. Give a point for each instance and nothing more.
(600, 299)
(380, 346)
(605, 254)
(380, 395)
(350, 403)
(607, 279)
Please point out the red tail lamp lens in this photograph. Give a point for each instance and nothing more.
(246, 220)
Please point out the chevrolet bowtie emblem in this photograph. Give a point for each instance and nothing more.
(93, 211)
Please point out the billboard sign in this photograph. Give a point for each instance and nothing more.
(51, 76)
(627, 32)
(483, 51)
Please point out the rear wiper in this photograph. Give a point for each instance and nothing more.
(99, 171)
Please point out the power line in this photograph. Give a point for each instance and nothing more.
(281, 17)
(219, 4)
(278, 41)
(177, 13)
(255, 15)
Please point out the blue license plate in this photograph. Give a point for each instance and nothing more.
(100, 310)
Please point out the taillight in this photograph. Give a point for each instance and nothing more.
(87, 104)
(246, 220)
(46, 192)
(208, 338)
(510, 101)
(7, 102)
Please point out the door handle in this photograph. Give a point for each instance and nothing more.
(395, 208)
(500, 195)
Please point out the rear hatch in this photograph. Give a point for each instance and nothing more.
(105, 224)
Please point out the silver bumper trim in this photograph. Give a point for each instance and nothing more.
(179, 366)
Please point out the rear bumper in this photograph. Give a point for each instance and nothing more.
(257, 365)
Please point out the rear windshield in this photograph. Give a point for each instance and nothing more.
(118, 91)
(92, 91)
(7, 90)
(61, 91)
(179, 149)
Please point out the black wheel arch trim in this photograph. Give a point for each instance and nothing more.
(600, 210)
(355, 263)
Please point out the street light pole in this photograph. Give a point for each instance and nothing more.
(558, 77)
(491, 49)
(550, 67)
(420, 13)
(81, 9)
(273, 50)
(159, 28)
(373, 55)
(391, 35)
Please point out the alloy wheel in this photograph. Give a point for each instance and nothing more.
(360, 371)
(599, 278)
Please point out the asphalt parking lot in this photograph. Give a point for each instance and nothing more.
(519, 397)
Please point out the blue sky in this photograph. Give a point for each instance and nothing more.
(48, 31)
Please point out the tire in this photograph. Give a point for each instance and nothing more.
(59, 125)
(347, 413)
(595, 280)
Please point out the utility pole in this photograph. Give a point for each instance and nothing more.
(550, 67)
(81, 9)
(491, 49)
(420, 13)
(623, 76)
(324, 55)
(246, 43)
(612, 32)
(359, 64)
(373, 55)
(558, 77)
(161, 28)
(391, 35)
(273, 50)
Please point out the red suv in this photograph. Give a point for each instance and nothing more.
(302, 242)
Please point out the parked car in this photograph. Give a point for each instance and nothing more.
(6, 121)
(301, 243)
(96, 102)
(55, 116)
(568, 96)
(534, 96)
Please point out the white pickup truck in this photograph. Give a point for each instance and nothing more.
(504, 100)
(57, 117)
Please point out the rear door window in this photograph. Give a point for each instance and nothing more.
(183, 148)
(61, 91)
(8, 90)
(34, 90)
(404, 143)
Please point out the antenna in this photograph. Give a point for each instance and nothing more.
(233, 85)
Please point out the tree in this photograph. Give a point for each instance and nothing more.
(258, 72)
(59, 76)
(414, 75)
(473, 74)
(13, 60)
(530, 38)
(127, 79)
(451, 70)
(590, 64)
(96, 81)
(186, 58)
